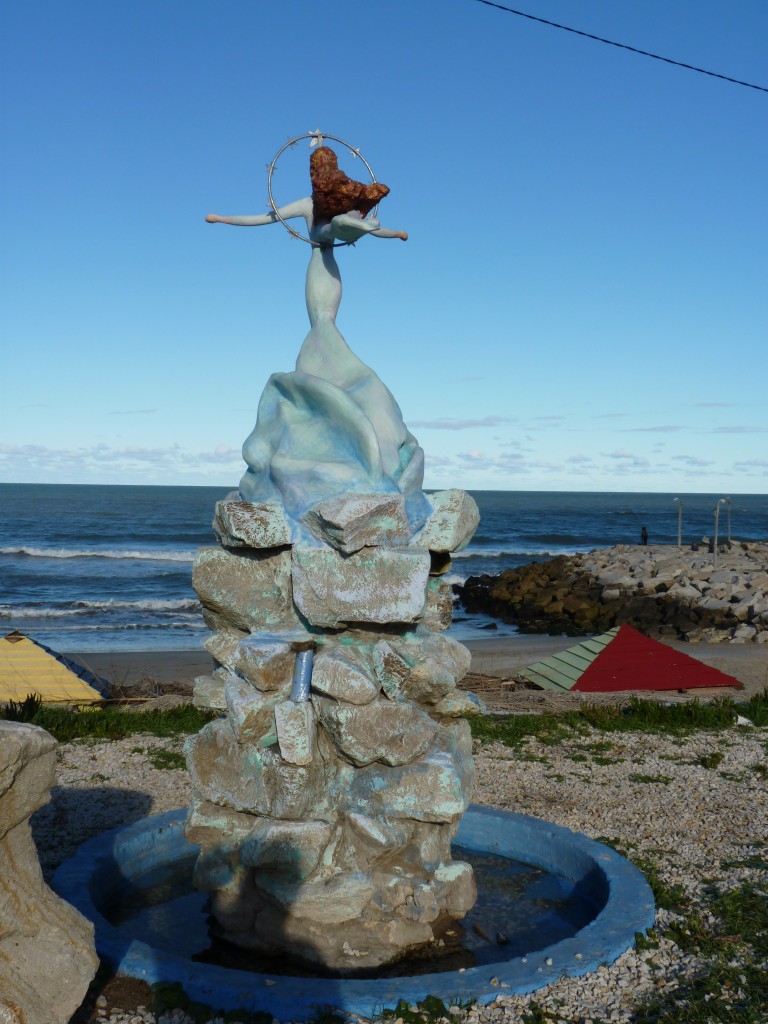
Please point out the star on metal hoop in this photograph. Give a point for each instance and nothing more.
(317, 138)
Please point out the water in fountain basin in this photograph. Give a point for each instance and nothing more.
(519, 910)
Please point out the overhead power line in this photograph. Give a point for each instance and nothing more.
(622, 46)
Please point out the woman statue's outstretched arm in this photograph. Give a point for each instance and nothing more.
(349, 227)
(301, 208)
(388, 233)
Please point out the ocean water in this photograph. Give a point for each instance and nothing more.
(94, 568)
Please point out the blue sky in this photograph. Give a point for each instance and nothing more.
(581, 305)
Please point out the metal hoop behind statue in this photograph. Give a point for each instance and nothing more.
(318, 137)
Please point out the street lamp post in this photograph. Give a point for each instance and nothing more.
(679, 522)
(728, 504)
(717, 516)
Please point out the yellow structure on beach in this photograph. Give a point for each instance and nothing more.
(27, 668)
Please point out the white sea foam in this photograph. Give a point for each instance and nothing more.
(149, 556)
(454, 580)
(121, 627)
(8, 611)
(528, 552)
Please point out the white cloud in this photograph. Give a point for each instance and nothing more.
(664, 428)
(44, 462)
(692, 460)
(739, 430)
(131, 412)
(626, 460)
(457, 424)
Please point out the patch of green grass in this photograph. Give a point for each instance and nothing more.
(67, 725)
(597, 747)
(22, 710)
(427, 1011)
(608, 760)
(733, 986)
(577, 757)
(646, 942)
(513, 730)
(166, 759)
(640, 716)
(650, 780)
(669, 897)
(710, 760)
(718, 996)
(761, 770)
(167, 996)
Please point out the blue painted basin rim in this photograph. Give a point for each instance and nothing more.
(103, 864)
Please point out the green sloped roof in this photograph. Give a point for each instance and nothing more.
(561, 671)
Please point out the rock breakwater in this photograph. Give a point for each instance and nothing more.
(661, 590)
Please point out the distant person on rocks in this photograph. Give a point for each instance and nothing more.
(644, 536)
(694, 546)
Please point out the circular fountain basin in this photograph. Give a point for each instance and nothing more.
(613, 899)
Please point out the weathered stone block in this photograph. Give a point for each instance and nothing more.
(460, 704)
(295, 731)
(246, 589)
(373, 585)
(209, 824)
(256, 779)
(379, 833)
(436, 788)
(381, 731)
(354, 521)
(225, 773)
(267, 660)
(251, 712)
(459, 881)
(47, 954)
(222, 645)
(338, 674)
(392, 670)
(251, 524)
(293, 848)
(328, 900)
(208, 692)
(452, 523)
(438, 610)
(438, 663)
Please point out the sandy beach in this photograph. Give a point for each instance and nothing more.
(493, 657)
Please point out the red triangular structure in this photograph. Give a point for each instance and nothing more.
(632, 661)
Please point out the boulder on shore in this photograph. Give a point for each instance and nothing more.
(661, 590)
(47, 953)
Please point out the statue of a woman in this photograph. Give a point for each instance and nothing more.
(331, 426)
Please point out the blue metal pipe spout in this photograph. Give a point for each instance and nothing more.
(302, 676)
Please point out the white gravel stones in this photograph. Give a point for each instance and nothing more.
(695, 823)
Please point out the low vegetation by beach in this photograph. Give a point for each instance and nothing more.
(679, 790)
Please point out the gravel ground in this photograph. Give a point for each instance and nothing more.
(650, 795)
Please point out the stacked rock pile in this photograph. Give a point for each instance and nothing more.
(662, 590)
(325, 812)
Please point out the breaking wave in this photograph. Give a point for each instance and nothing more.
(147, 556)
(92, 608)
